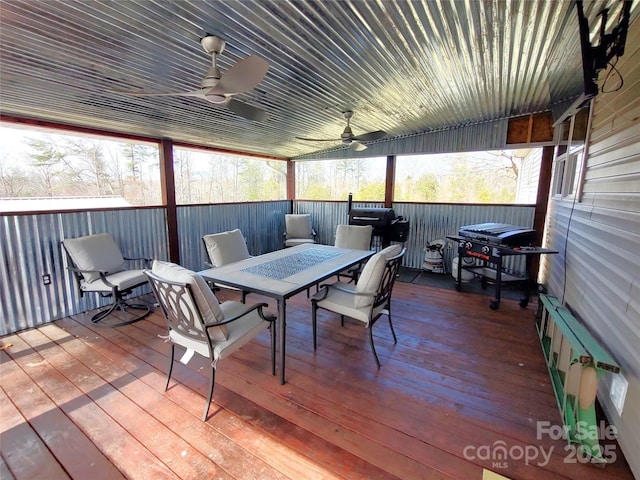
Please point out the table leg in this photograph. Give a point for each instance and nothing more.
(282, 321)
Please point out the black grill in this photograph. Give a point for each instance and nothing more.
(500, 234)
(378, 218)
(384, 222)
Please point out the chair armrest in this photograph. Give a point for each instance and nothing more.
(268, 317)
(324, 291)
(77, 270)
(147, 261)
(103, 274)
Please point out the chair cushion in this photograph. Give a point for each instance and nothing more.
(204, 297)
(240, 331)
(342, 303)
(298, 225)
(95, 252)
(391, 251)
(292, 242)
(354, 236)
(370, 279)
(123, 280)
(226, 247)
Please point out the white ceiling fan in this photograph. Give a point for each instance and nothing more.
(220, 88)
(348, 138)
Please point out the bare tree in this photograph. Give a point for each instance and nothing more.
(13, 180)
(91, 159)
(182, 168)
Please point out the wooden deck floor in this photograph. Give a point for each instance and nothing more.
(82, 402)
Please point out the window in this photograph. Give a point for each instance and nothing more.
(48, 170)
(503, 176)
(206, 177)
(43, 170)
(335, 179)
(569, 155)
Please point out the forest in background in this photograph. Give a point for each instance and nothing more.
(52, 165)
(476, 177)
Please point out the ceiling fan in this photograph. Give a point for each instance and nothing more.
(220, 89)
(348, 138)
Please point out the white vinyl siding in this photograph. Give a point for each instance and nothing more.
(527, 190)
(598, 237)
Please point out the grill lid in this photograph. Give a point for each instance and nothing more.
(376, 217)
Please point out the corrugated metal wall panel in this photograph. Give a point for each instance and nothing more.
(327, 215)
(31, 243)
(429, 222)
(31, 247)
(602, 262)
(435, 221)
(262, 224)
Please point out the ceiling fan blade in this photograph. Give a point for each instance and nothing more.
(195, 93)
(371, 136)
(357, 146)
(319, 139)
(243, 76)
(247, 111)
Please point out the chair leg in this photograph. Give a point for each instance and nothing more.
(206, 407)
(393, 332)
(314, 319)
(395, 340)
(170, 367)
(342, 320)
(121, 304)
(104, 313)
(373, 347)
(273, 348)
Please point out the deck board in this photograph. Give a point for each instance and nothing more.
(460, 376)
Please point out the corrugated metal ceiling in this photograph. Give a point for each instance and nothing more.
(405, 67)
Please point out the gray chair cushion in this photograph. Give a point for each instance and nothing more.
(95, 252)
(207, 302)
(343, 303)
(123, 280)
(370, 279)
(292, 242)
(298, 226)
(354, 236)
(226, 247)
(391, 251)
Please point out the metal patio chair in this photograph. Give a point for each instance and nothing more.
(99, 267)
(199, 324)
(368, 299)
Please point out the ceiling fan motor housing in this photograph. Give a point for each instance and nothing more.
(347, 135)
(212, 79)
